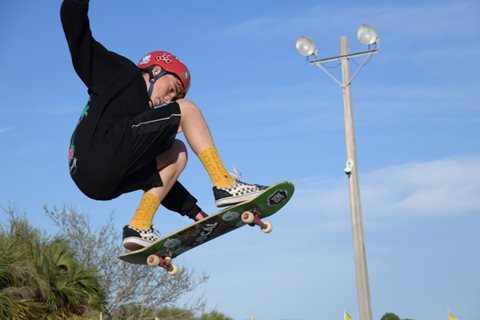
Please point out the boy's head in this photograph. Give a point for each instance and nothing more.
(169, 64)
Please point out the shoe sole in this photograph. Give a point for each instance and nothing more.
(133, 243)
(230, 201)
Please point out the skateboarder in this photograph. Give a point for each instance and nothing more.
(125, 137)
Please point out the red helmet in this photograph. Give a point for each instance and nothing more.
(167, 62)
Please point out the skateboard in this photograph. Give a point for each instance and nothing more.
(251, 212)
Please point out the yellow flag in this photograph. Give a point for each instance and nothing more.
(451, 316)
(346, 316)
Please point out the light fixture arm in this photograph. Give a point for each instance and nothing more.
(329, 74)
(367, 54)
(350, 55)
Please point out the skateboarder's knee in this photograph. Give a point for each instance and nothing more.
(176, 155)
(188, 108)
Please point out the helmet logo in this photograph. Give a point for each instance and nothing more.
(185, 75)
(145, 59)
(165, 57)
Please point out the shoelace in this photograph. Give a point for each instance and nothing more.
(236, 173)
(153, 231)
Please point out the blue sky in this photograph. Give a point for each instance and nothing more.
(417, 120)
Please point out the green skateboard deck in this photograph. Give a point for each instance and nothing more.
(250, 212)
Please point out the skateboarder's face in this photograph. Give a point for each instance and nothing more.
(166, 89)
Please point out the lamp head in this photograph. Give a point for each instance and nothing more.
(306, 47)
(367, 35)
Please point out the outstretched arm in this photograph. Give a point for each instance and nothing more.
(92, 62)
(79, 36)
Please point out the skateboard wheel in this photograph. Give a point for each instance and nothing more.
(247, 217)
(173, 270)
(153, 260)
(267, 228)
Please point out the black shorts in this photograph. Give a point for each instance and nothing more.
(151, 134)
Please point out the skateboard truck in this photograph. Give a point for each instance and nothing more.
(165, 262)
(253, 217)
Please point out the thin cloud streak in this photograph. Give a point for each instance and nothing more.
(440, 187)
(385, 15)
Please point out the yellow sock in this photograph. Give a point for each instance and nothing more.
(145, 212)
(214, 166)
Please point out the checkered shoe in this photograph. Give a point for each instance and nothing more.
(238, 192)
(135, 239)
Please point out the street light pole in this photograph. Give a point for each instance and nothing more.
(367, 35)
(351, 169)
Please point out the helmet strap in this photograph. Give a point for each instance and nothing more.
(153, 78)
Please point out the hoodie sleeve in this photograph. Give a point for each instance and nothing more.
(92, 62)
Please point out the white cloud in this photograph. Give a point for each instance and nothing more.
(447, 186)
(3, 130)
(440, 187)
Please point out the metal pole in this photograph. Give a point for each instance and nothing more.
(363, 290)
